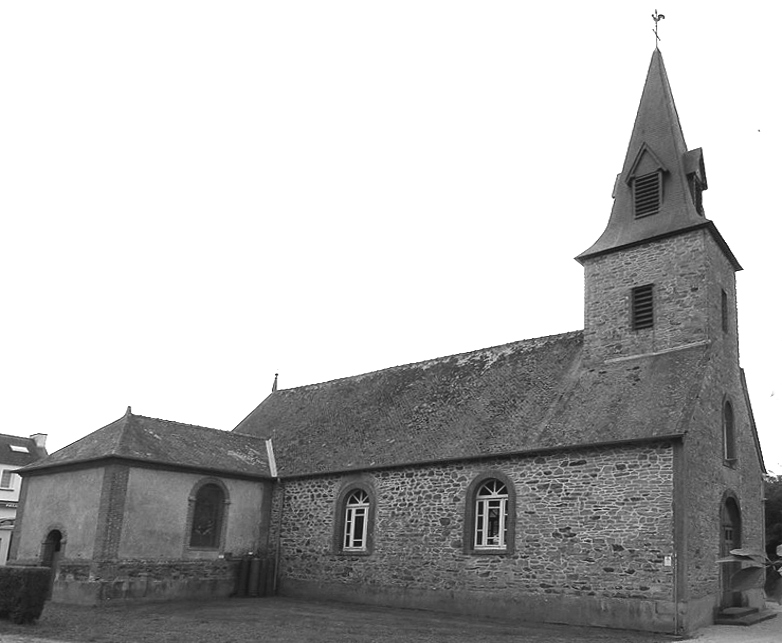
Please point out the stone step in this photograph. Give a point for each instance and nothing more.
(750, 618)
(736, 612)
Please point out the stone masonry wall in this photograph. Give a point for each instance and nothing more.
(594, 523)
(708, 476)
(680, 272)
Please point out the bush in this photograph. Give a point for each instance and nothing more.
(23, 591)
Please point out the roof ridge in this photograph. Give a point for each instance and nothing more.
(16, 437)
(149, 417)
(543, 339)
(192, 426)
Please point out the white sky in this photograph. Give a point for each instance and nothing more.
(196, 195)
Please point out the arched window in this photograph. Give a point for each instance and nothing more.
(208, 510)
(728, 433)
(490, 506)
(354, 520)
(491, 516)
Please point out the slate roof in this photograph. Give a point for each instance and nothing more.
(150, 440)
(15, 458)
(523, 396)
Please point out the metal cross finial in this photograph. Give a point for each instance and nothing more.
(657, 17)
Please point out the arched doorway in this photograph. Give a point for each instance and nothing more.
(50, 556)
(730, 538)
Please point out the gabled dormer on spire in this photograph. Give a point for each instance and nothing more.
(659, 190)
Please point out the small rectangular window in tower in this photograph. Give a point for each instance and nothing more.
(642, 307)
(647, 194)
(724, 312)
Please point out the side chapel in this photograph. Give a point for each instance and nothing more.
(590, 478)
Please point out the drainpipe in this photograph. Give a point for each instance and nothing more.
(676, 624)
(279, 533)
(276, 481)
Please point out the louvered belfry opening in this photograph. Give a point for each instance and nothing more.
(647, 194)
(642, 307)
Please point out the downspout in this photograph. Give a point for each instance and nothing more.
(277, 553)
(276, 481)
(676, 625)
(679, 530)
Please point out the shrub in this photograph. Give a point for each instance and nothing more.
(23, 591)
(757, 571)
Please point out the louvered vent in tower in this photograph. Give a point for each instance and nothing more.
(642, 307)
(647, 194)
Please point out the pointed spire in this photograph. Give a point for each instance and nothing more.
(274, 386)
(128, 413)
(658, 192)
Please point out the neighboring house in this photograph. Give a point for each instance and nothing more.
(591, 478)
(15, 452)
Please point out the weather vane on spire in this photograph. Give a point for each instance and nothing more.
(657, 17)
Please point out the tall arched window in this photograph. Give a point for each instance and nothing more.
(728, 433)
(208, 509)
(491, 516)
(490, 521)
(354, 519)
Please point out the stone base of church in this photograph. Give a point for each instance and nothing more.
(593, 611)
(701, 611)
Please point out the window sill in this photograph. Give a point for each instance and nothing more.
(730, 462)
(350, 553)
(499, 551)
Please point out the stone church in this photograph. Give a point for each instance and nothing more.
(590, 478)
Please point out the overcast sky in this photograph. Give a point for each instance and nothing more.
(196, 195)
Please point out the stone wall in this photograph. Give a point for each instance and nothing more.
(92, 583)
(593, 525)
(678, 268)
(708, 477)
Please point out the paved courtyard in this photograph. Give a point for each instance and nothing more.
(281, 619)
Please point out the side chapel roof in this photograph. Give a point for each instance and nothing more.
(523, 396)
(161, 442)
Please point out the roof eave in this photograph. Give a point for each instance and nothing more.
(491, 456)
(708, 225)
(33, 469)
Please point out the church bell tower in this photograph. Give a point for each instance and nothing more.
(660, 277)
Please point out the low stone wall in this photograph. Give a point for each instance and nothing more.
(592, 611)
(91, 583)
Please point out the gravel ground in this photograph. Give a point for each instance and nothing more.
(292, 621)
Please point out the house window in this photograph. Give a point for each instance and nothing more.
(489, 524)
(642, 307)
(647, 194)
(7, 479)
(355, 516)
(728, 433)
(208, 510)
